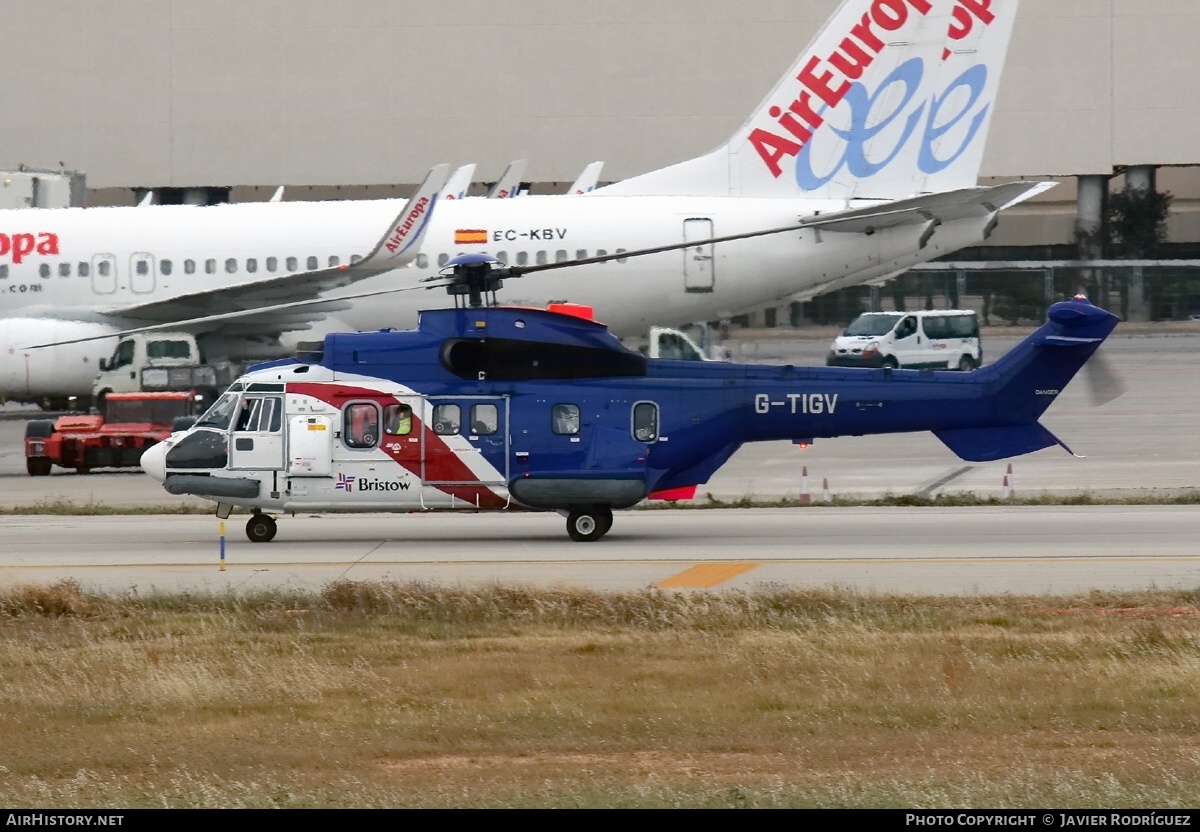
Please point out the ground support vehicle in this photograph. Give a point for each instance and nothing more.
(134, 422)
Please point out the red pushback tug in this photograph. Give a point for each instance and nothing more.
(133, 423)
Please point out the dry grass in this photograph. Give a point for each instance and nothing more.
(377, 694)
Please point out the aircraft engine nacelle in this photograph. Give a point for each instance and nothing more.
(50, 372)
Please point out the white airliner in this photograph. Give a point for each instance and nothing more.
(877, 131)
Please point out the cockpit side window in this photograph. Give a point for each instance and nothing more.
(221, 413)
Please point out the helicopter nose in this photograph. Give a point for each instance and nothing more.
(154, 461)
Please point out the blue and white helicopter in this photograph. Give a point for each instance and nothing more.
(486, 407)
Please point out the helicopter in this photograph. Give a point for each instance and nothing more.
(485, 407)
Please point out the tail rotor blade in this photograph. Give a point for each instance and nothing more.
(1103, 381)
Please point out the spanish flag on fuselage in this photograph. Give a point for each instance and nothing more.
(466, 236)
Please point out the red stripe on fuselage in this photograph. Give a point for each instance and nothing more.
(444, 465)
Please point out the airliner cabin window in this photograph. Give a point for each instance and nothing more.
(4, 271)
(522, 258)
(354, 258)
(484, 419)
(334, 261)
(422, 261)
(292, 264)
(645, 422)
(189, 266)
(251, 265)
(164, 266)
(560, 256)
(210, 266)
(541, 258)
(84, 269)
(622, 259)
(103, 268)
(231, 265)
(360, 425)
(446, 418)
(272, 264)
(142, 267)
(64, 269)
(311, 264)
(443, 259)
(581, 254)
(600, 252)
(502, 256)
(44, 270)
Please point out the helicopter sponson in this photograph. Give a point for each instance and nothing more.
(502, 408)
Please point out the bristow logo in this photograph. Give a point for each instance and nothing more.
(344, 483)
(365, 484)
(400, 233)
(822, 89)
(18, 246)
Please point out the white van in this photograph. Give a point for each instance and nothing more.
(936, 338)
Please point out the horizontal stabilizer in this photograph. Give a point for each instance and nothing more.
(965, 203)
(989, 444)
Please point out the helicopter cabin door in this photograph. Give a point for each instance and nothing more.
(467, 440)
(257, 441)
(698, 260)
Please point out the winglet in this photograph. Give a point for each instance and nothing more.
(509, 183)
(401, 243)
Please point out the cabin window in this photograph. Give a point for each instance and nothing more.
(164, 266)
(210, 266)
(64, 269)
(44, 270)
(4, 271)
(360, 425)
(422, 261)
(397, 420)
(485, 418)
(581, 254)
(272, 264)
(564, 419)
(334, 261)
(541, 258)
(142, 267)
(231, 265)
(645, 422)
(446, 419)
(84, 269)
(354, 258)
(560, 256)
(251, 265)
(169, 349)
(292, 264)
(311, 264)
(601, 252)
(621, 259)
(443, 259)
(502, 256)
(522, 258)
(189, 266)
(103, 267)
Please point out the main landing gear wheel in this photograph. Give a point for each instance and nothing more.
(586, 525)
(261, 528)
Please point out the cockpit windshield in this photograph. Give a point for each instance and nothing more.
(876, 323)
(221, 413)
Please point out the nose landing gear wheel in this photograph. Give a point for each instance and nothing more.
(261, 528)
(586, 525)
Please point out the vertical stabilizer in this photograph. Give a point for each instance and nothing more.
(459, 182)
(509, 183)
(586, 181)
(892, 99)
